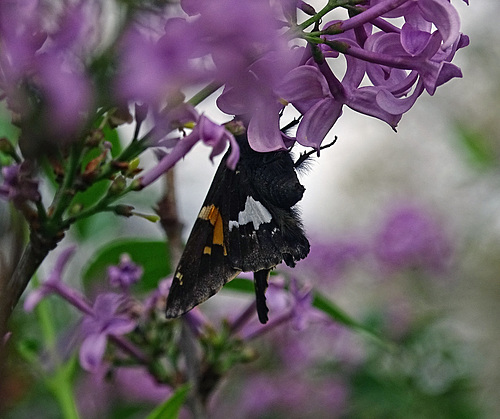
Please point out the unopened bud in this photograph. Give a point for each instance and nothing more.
(124, 210)
(150, 217)
(307, 8)
(235, 127)
(118, 185)
(133, 164)
(6, 147)
(75, 209)
(141, 112)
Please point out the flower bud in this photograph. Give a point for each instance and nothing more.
(118, 185)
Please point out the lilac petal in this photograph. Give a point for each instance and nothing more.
(213, 135)
(232, 102)
(435, 74)
(34, 297)
(444, 16)
(263, 131)
(303, 83)
(234, 156)
(364, 100)
(92, 351)
(61, 262)
(397, 106)
(177, 153)
(354, 74)
(448, 71)
(413, 40)
(125, 274)
(302, 305)
(318, 121)
(119, 326)
(53, 279)
(105, 305)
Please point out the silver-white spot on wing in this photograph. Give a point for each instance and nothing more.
(254, 212)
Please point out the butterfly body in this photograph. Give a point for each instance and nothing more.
(247, 223)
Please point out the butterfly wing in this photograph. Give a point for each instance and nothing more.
(204, 266)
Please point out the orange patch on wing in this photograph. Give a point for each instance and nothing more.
(211, 213)
(218, 231)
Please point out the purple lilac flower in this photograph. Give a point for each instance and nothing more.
(54, 285)
(104, 321)
(125, 274)
(411, 238)
(292, 306)
(401, 64)
(254, 96)
(18, 185)
(210, 133)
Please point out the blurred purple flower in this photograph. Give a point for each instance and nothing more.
(136, 384)
(195, 319)
(248, 31)
(153, 70)
(286, 396)
(411, 238)
(329, 259)
(125, 274)
(18, 185)
(158, 298)
(67, 94)
(104, 321)
(302, 309)
(42, 71)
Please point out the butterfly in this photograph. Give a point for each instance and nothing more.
(247, 223)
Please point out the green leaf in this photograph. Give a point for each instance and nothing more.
(151, 255)
(478, 146)
(111, 135)
(171, 408)
(241, 285)
(86, 199)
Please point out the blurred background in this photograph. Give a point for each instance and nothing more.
(407, 226)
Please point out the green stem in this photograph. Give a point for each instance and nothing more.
(103, 205)
(332, 4)
(61, 387)
(64, 195)
(204, 93)
(60, 383)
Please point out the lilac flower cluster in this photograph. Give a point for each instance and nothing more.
(18, 185)
(103, 319)
(113, 315)
(42, 61)
(59, 71)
